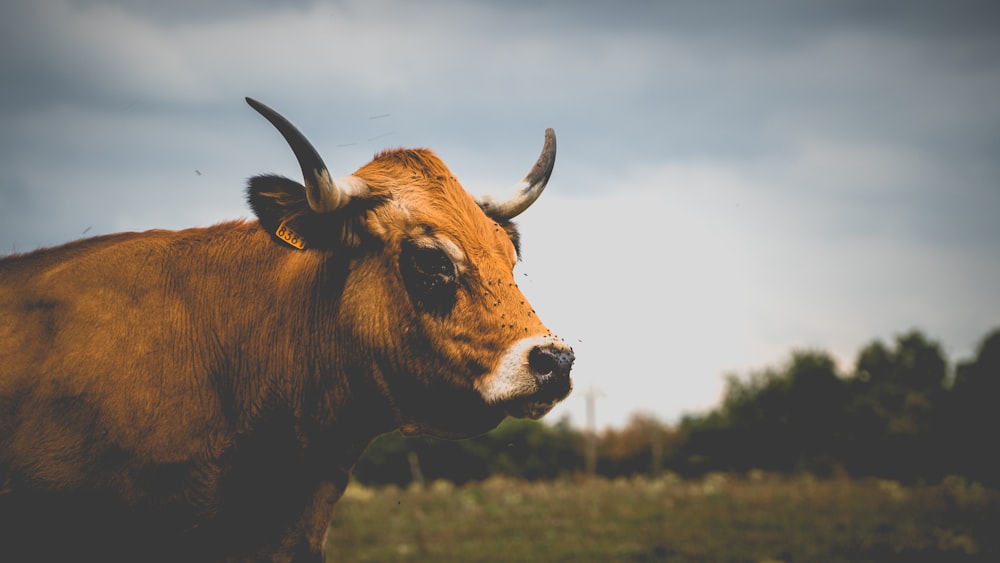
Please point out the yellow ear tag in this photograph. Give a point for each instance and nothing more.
(288, 235)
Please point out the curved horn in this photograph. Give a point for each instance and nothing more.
(527, 190)
(323, 193)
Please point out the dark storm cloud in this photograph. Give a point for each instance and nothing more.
(625, 83)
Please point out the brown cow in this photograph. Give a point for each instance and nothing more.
(202, 395)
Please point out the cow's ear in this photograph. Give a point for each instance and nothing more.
(283, 209)
(514, 234)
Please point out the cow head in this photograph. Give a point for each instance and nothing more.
(428, 300)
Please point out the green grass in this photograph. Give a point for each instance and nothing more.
(720, 518)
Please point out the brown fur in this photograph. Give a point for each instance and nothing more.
(202, 395)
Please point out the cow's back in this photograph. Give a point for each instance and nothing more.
(107, 358)
(42, 418)
(117, 416)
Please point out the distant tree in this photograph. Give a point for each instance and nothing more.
(890, 419)
(517, 448)
(705, 443)
(789, 419)
(785, 419)
(641, 447)
(972, 417)
(817, 398)
(531, 449)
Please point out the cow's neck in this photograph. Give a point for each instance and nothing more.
(290, 343)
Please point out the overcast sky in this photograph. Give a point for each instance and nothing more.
(734, 179)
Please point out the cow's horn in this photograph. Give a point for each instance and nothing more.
(323, 192)
(527, 190)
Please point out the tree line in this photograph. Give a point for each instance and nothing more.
(902, 412)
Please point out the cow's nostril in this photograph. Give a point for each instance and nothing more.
(551, 366)
(542, 361)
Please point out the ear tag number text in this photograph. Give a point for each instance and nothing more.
(288, 235)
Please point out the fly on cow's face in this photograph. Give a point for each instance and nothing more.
(430, 277)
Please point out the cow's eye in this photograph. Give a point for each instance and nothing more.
(432, 262)
(429, 276)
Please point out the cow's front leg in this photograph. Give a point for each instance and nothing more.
(307, 542)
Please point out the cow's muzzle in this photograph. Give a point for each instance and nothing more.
(550, 364)
(533, 376)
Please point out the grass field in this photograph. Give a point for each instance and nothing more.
(757, 518)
